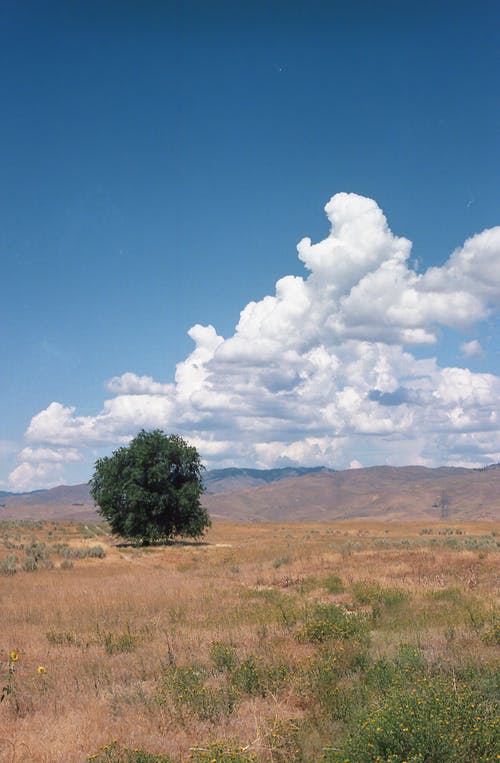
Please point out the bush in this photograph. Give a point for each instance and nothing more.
(329, 621)
(115, 753)
(223, 656)
(222, 752)
(186, 690)
(255, 677)
(8, 565)
(431, 719)
(333, 584)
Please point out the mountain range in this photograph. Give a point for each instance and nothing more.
(314, 494)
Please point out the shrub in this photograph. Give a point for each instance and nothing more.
(329, 621)
(333, 584)
(115, 753)
(284, 742)
(186, 690)
(37, 556)
(255, 677)
(222, 752)
(8, 565)
(223, 656)
(430, 720)
(119, 643)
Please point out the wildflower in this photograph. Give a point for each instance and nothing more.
(13, 656)
(41, 670)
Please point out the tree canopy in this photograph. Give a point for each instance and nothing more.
(151, 489)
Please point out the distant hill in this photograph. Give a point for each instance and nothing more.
(380, 492)
(229, 480)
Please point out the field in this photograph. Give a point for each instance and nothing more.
(276, 643)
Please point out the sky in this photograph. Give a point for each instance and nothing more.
(270, 227)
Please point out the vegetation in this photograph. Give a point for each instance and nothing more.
(150, 490)
(368, 643)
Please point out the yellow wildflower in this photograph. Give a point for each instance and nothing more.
(41, 670)
(14, 656)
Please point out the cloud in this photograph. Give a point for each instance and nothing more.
(471, 349)
(36, 455)
(323, 370)
(41, 466)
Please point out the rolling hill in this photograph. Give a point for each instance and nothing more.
(318, 494)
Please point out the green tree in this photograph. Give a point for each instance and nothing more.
(151, 489)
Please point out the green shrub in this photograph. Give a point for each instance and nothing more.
(431, 719)
(323, 681)
(119, 643)
(491, 631)
(37, 557)
(329, 621)
(333, 584)
(8, 565)
(281, 561)
(186, 690)
(283, 740)
(372, 593)
(223, 656)
(115, 753)
(255, 677)
(221, 752)
(80, 552)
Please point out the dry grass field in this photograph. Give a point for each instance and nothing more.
(276, 643)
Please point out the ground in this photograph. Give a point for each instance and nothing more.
(278, 643)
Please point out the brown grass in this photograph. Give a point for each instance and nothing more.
(171, 603)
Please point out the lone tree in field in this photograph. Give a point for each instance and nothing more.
(150, 489)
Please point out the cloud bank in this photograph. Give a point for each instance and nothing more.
(324, 371)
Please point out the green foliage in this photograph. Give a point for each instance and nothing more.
(150, 490)
(115, 753)
(257, 678)
(491, 633)
(372, 593)
(186, 690)
(8, 565)
(222, 752)
(333, 584)
(119, 643)
(329, 621)
(428, 720)
(284, 742)
(223, 656)
(37, 557)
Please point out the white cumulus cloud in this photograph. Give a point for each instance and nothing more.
(471, 349)
(324, 369)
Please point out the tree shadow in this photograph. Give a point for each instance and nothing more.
(162, 543)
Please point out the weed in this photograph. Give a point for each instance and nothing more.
(283, 740)
(281, 561)
(222, 752)
(115, 753)
(330, 621)
(255, 677)
(223, 656)
(429, 719)
(185, 688)
(9, 565)
(333, 584)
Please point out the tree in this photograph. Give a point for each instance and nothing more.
(151, 489)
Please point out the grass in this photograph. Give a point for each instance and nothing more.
(266, 643)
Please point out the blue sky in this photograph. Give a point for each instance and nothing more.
(160, 162)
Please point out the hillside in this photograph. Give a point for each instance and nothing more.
(380, 492)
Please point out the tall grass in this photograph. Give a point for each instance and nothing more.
(216, 652)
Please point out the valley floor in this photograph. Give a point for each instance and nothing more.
(276, 643)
